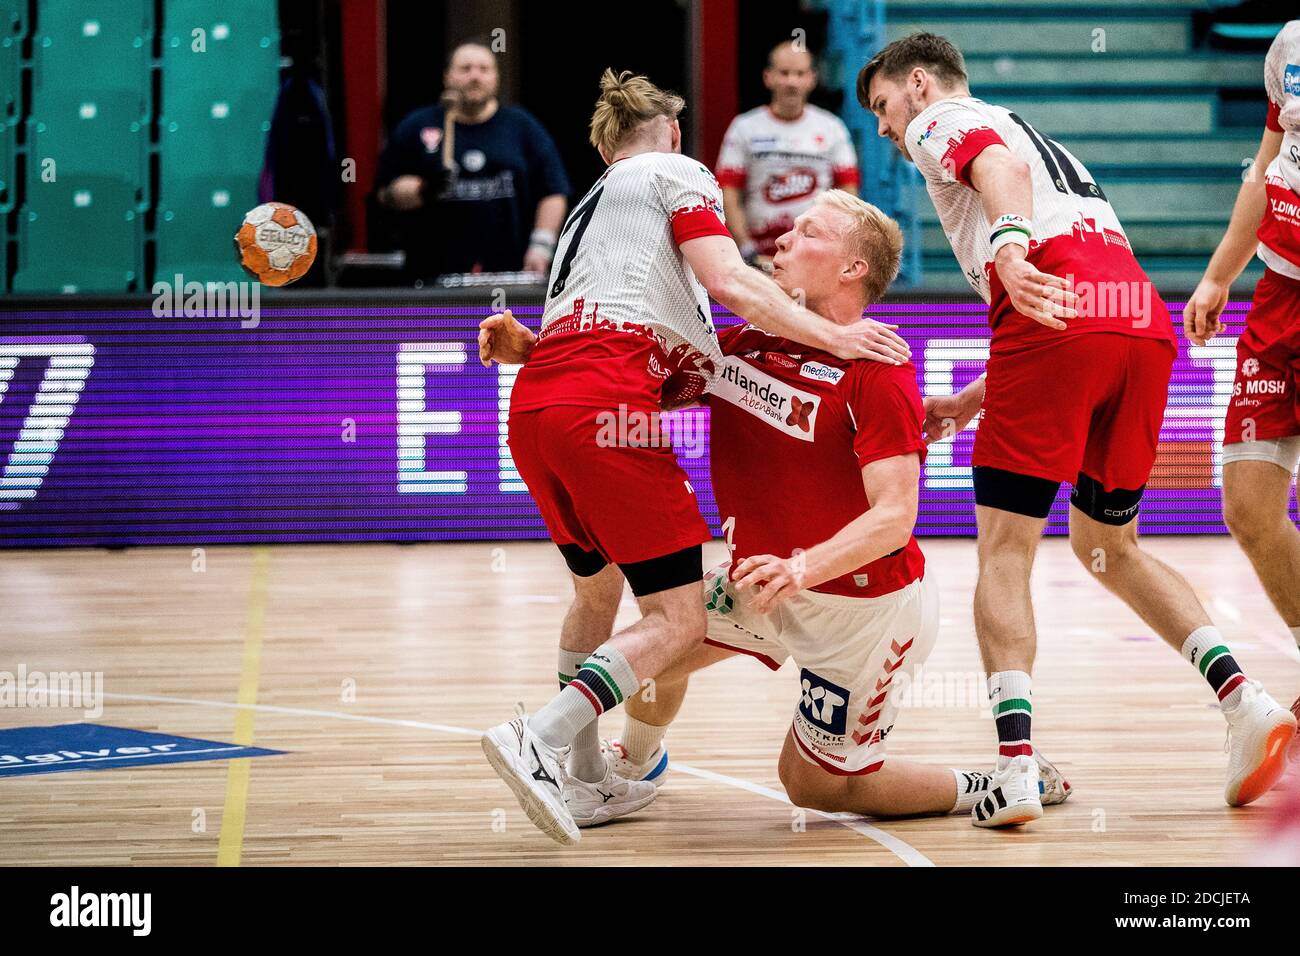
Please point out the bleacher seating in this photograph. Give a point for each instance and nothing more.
(212, 132)
(1140, 103)
(83, 223)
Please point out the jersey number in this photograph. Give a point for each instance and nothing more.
(1064, 175)
(581, 216)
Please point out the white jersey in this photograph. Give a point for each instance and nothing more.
(944, 139)
(1279, 234)
(781, 165)
(618, 267)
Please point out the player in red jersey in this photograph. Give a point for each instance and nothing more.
(627, 328)
(1078, 374)
(816, 468)
(1261, 434)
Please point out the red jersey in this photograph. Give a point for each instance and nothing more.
(791, 429)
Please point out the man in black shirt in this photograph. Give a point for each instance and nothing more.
(501, 206)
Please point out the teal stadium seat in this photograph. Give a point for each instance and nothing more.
(99, 45)
(13, 28)
(80, 228)
(216, 112)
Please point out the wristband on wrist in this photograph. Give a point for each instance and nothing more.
(1008, 229)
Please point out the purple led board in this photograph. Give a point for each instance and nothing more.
(333, 423)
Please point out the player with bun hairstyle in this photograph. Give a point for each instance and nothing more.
(627, 329)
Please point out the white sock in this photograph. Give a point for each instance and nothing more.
(585, 759)
(972, 786)
(602, 682)
(640, 739)
(1012, 689)
(1209, 653)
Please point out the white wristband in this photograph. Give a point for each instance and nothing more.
(1011, 236)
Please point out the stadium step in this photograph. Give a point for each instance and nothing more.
(1122, 72)
(1047, 30)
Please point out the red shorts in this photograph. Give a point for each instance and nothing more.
(1089, 403)
(627, 502)
(1264, 402)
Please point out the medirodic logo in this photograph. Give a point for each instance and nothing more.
(768, 398)
(821, 373)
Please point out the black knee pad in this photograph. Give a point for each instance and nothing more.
(1009, 491)
(665, 572)
(582, 563)
(1117, 507)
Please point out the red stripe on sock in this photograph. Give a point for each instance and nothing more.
(1231, 684)
(1016, 750)
(591, 698)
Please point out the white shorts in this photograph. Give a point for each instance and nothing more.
(850, 653)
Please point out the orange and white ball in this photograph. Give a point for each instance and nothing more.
(276, 243)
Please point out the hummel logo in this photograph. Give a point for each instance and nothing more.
(799, 412)
(540, 773)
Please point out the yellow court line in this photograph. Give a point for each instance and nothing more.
(231, 843)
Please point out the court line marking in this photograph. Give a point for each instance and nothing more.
(899, 847)
(230, 844)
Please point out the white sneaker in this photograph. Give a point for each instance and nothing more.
(1259, 733)
(1053, 788)
(1013, 796)
(535, 773)
(654, 770)
(592, 804)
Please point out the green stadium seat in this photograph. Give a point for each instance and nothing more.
(79, 234)
(13, 27)
(96, 133)
(216, 113)
(197, 220)
(100, 45)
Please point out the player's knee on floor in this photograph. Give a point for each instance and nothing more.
(1117, 507)
(812, 788)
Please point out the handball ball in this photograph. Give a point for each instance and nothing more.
(276, 243)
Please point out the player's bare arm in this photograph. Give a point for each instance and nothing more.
(733, 205)
(892, 486)
(546, 230)
(1006, 188)
(716, 262)
(1236, 248)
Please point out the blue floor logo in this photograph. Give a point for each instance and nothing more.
(28, 750)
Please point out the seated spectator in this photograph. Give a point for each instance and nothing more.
(500, 205)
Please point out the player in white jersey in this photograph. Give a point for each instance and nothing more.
(775, 159)
(627, 329)
(1077, 383)
(1261, 433)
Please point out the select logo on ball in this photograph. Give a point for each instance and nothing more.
(276, 243)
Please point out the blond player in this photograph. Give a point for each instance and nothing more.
(626, 328)
(816, 469)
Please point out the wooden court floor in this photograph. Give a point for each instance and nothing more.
(374, 666)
